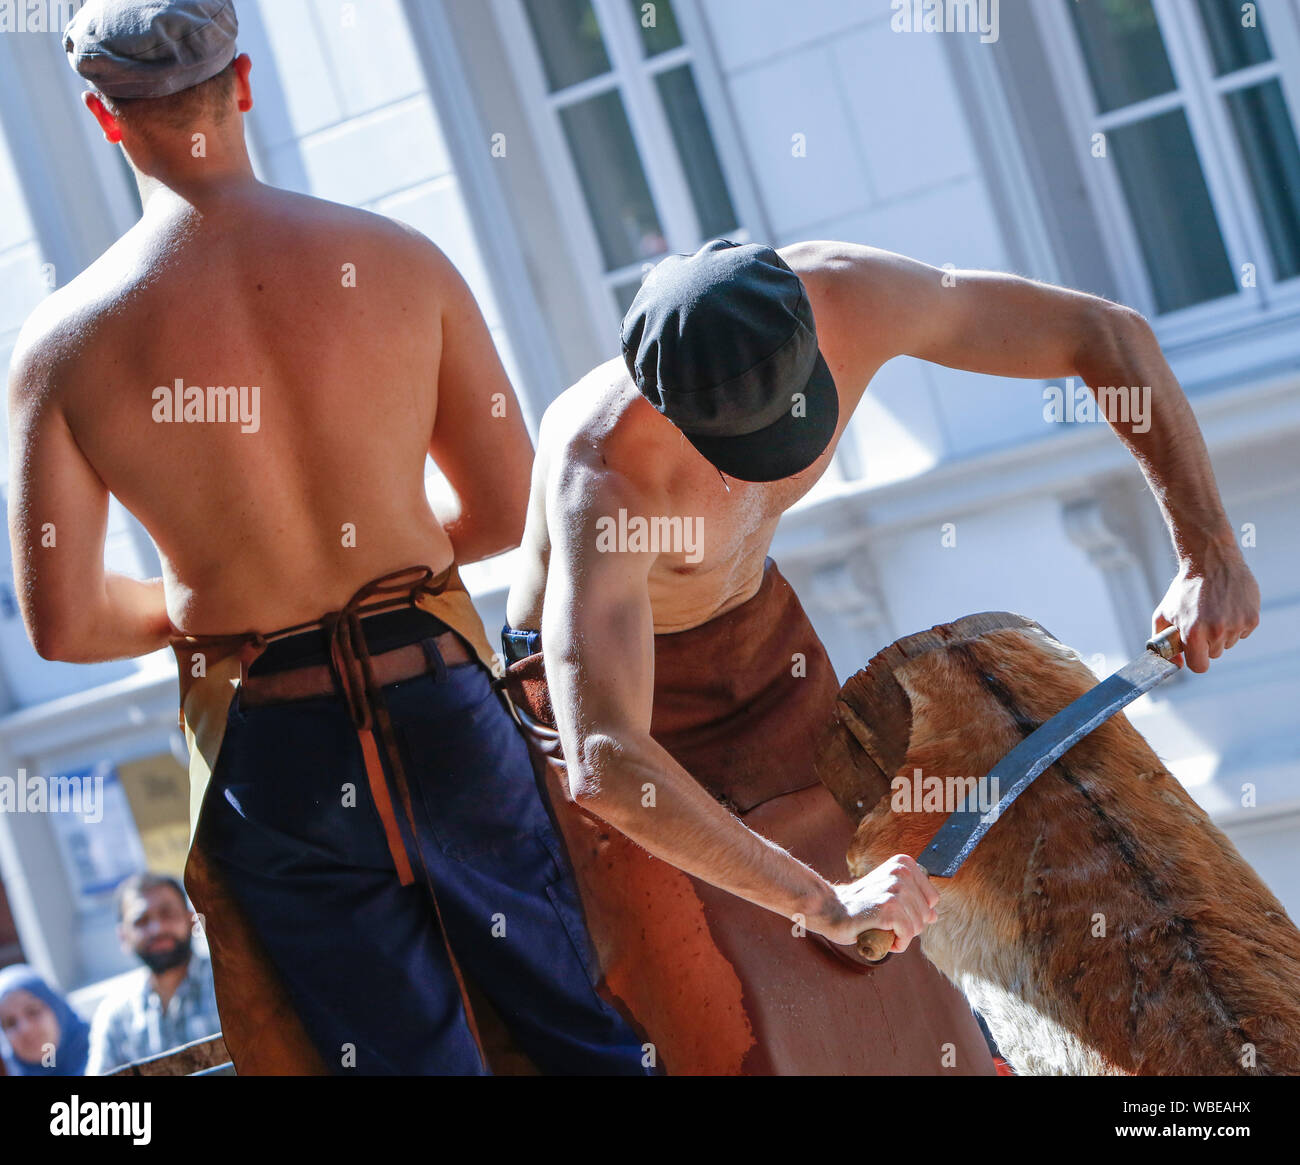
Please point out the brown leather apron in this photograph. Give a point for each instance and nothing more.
(262, 1032)
(720, 986)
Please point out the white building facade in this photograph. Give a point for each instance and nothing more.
(1144, 150)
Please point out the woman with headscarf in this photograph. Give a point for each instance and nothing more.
(42, 1035)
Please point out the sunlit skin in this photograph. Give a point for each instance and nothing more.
(602, 447)
(154, 922)
(30, 1026)
(227, 281)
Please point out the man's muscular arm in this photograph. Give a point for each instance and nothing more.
(1005, 325)
(480, 441)
(74, 609)
(598, 640)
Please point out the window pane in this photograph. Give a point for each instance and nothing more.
(1268, 144)
(658, 24)
(613, 182)
(625, 293)
(1124, 50)
(1171, 210)
(568, 38)
(1233, 45)
(695, 149)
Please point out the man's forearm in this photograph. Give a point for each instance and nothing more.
(129, 619)
(474, 537)
(1161, 432)
(635, 785)
(138, 610)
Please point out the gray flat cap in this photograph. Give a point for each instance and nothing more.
(150, 48)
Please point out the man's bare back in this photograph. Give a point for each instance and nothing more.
(338, 323)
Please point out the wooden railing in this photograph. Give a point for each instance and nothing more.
(205, 1057)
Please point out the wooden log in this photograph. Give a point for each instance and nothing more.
(1104, 925)
(187, 1060)
(857, 759)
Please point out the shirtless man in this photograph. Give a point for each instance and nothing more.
(327, 824)
(721, 414)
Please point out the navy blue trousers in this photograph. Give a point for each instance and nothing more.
(289, 818)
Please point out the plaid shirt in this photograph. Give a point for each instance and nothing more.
(133, 1024)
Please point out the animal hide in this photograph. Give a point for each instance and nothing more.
(1104, 925)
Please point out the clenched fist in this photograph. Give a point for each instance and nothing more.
(897, 895)
(1213, 601)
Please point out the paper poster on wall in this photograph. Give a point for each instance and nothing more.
(158, 790)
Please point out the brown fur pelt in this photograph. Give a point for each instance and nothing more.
(1104, 925)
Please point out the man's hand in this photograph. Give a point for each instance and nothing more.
(897, 895)
(1213, 601)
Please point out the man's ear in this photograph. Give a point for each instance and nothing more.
(243, 65)
(107, 121)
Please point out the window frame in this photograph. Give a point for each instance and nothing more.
(1199, 94)
(632, 74)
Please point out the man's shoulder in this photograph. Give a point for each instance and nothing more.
(845, 272)
(849, 283)
(821, 256)
(65, 327)
(398, 241)
(601, 433)
(54, 335)
(572, 420)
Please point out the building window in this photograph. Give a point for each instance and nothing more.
(615, 91)
(1198, 117)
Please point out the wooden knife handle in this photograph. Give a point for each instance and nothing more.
(873, 945)
(1167, 644)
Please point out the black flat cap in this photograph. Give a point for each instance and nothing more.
(723, 343)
